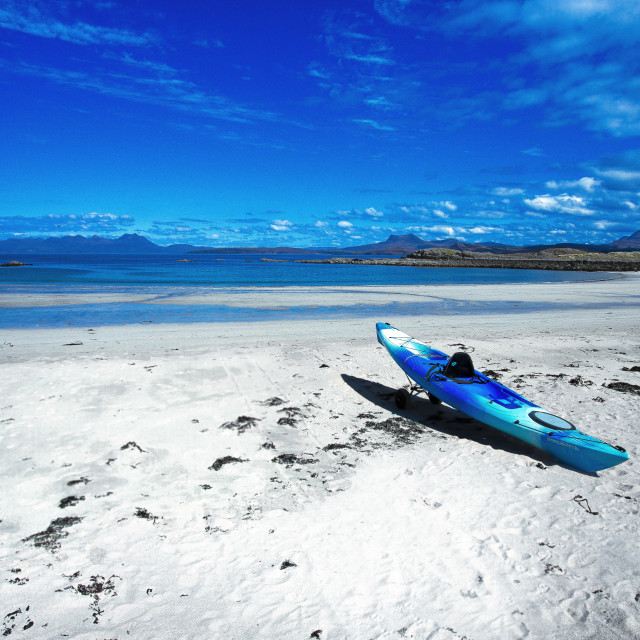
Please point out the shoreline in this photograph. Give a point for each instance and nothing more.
(318, 303)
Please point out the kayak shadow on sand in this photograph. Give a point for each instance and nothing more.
(446, 420)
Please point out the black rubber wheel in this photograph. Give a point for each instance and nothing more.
(402, 398)
(434, 399)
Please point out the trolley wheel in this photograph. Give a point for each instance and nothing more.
(434, 399)
(402, 398)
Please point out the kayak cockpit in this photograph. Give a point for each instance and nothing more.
(459, 365)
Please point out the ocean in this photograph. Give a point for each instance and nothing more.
(131, 283)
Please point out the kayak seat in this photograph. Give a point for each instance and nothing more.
(459, 365)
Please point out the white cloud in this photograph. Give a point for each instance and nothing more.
(373, 212)
(481, 230)
(560, 204)
(344, 224)
(586, 183)
(281, 225)
(440, 230)
(507, 191)
(321, 223)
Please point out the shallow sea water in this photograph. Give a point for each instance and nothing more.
(168, 276)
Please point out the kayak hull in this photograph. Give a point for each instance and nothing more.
(495, 405)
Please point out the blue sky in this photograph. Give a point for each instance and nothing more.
(320, 123)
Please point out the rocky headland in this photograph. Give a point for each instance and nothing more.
(557, 259)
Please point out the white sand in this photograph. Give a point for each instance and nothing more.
(423, 525)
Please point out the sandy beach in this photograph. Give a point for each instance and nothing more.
(255, 479)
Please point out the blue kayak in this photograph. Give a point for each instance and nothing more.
(453, 380)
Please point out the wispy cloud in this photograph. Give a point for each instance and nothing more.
(620, 172)
(173, 92)
(35, 19)
(360, 67)
(576, 59)
(154, 66)
(369, 58)
(206, 43)
(367, 122)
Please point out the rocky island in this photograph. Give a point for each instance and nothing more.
(557, 259)
(15, 263)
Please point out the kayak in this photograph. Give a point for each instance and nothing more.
(453, 380)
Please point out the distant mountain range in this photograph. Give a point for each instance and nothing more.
(127, 243)
(130, 243)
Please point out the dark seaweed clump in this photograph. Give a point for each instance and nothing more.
(220, 462)
(70, 501)
(292, 416)
(132, 445)
(82, 480)
(336, 445)
(490, 373)
(97, 589)
(240, 424)
(51, 536)
(579, 381)
(402, 430)
(289, 459)
(625, 387)
(273, 402)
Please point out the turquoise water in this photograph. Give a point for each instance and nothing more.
(167, 276)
